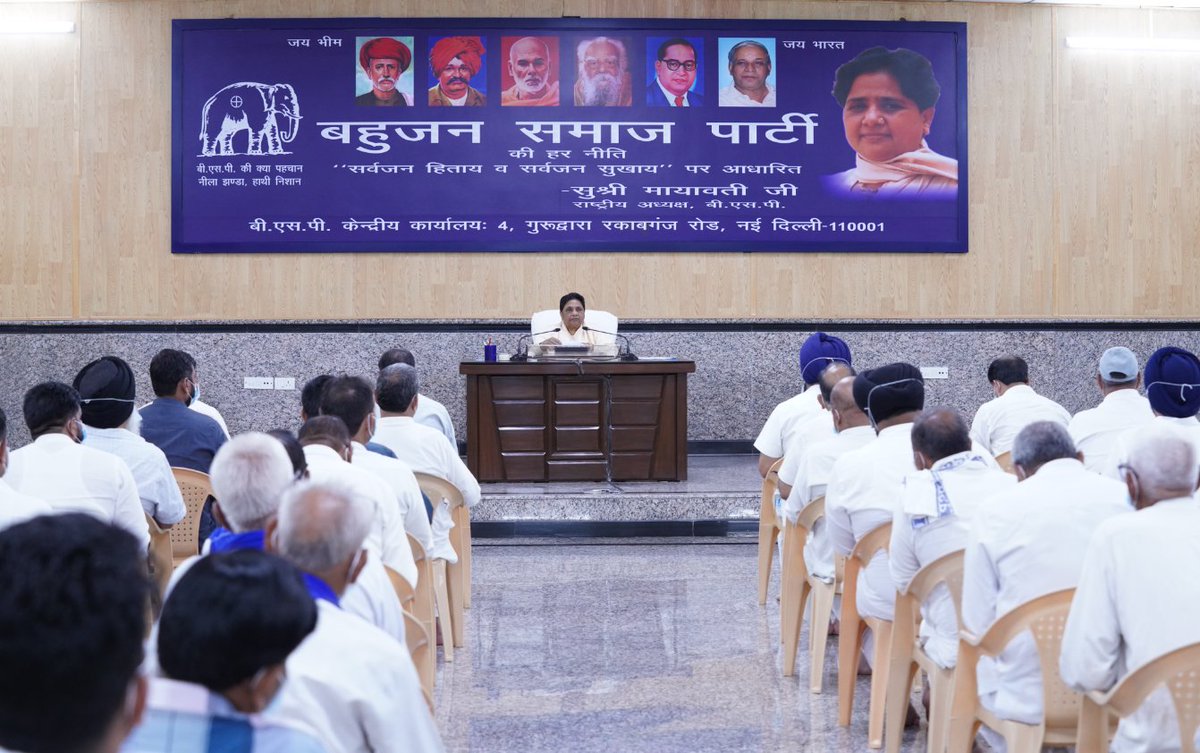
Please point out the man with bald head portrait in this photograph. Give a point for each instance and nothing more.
(604, 79)
(532, 68)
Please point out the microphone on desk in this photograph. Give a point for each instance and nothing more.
(520, 354)
(628, 354)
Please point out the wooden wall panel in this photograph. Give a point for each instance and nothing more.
(39, 187)
(1080, 205)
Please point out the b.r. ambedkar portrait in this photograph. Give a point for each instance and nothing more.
(383, 62)
(533, 71)
(888, 100)
(603, 79)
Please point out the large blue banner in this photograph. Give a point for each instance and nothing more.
(552, 135)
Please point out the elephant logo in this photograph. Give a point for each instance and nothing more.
(254, 108)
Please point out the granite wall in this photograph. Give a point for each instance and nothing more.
(743, 369)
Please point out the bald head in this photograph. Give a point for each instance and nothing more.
(833, 374)
(846, 413)
(939, 433)
(320, 529)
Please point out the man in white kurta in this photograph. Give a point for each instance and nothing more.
(1025, 543)
(423, 449)
(1138, 597)
(1016, 406)
(812, 470)
(1173, 389)
(14, 506)
(1096, 430)
(816, 354)
(936, 507)
(349, 682)
(865, 485)
(429, 411)
(69, 477)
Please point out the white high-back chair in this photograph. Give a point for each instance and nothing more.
(594, 318)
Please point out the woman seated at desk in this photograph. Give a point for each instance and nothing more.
(572, 329)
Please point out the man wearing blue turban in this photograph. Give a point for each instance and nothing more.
(816, 354)
(1172, 377)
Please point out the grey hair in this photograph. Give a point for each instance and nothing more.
(586, 43)
(1040, 442)
(1164, 459)
(396, 387)
(322, 525)
(749, 43)
(249, 474)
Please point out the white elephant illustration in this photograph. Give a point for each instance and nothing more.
(254, 108)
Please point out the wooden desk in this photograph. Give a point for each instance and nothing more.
(568, 421)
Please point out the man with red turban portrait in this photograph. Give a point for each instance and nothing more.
(454, 60)
(384, 59)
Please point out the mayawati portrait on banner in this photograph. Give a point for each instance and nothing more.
(384, 78)
(888, 99)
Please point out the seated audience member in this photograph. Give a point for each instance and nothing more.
(1016, 406)
(350, 681)
(249, 477)
(420, 447)
(189, 439)
(310, 407)
(73, 595)
(1173, 388)
(69, 477)
(1024, 543)
(818, 352)
(222, 658)
(429, 411)
(813, 429)
(352, 399)
(1137, 596)
(328, 450)
(295, 452)
(106, 392)
(14, 506)
(1095, 431)
(808, 477)
(951, 486)
(866, 483)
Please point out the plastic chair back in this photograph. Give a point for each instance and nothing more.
(544, 320)
(162, 560)
(196, 487)
(768, 529)
(457, 574)
(420, 650)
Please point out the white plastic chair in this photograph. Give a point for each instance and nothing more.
(595, 319)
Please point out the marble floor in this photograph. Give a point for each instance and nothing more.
(643, 645)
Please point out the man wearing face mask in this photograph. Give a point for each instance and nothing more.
(222, 657)
(106, 390)
(188, 439)
(69, 477)
(349, 681)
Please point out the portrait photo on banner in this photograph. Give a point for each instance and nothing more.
(602, 72)
(457, 72)
(889, 99)
(530, 74)
(383, 68)
(746, 71)
(675, 71)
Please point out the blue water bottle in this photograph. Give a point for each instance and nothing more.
(489, 351)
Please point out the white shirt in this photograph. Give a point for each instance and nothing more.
(921, 535)
(864, 490)
(17, 508)
(777, 432)
(205, 409)
(1027, 542)
(387, 540)
(1096, 430)
(73, 478)
(998, 421)
(808, 430)
(1137, 599)
(157, 489)
(432, 413)
(729, 96)
(397, 475)
(671, 96)
(356, 689)
(811, 476)
(1189, 427)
